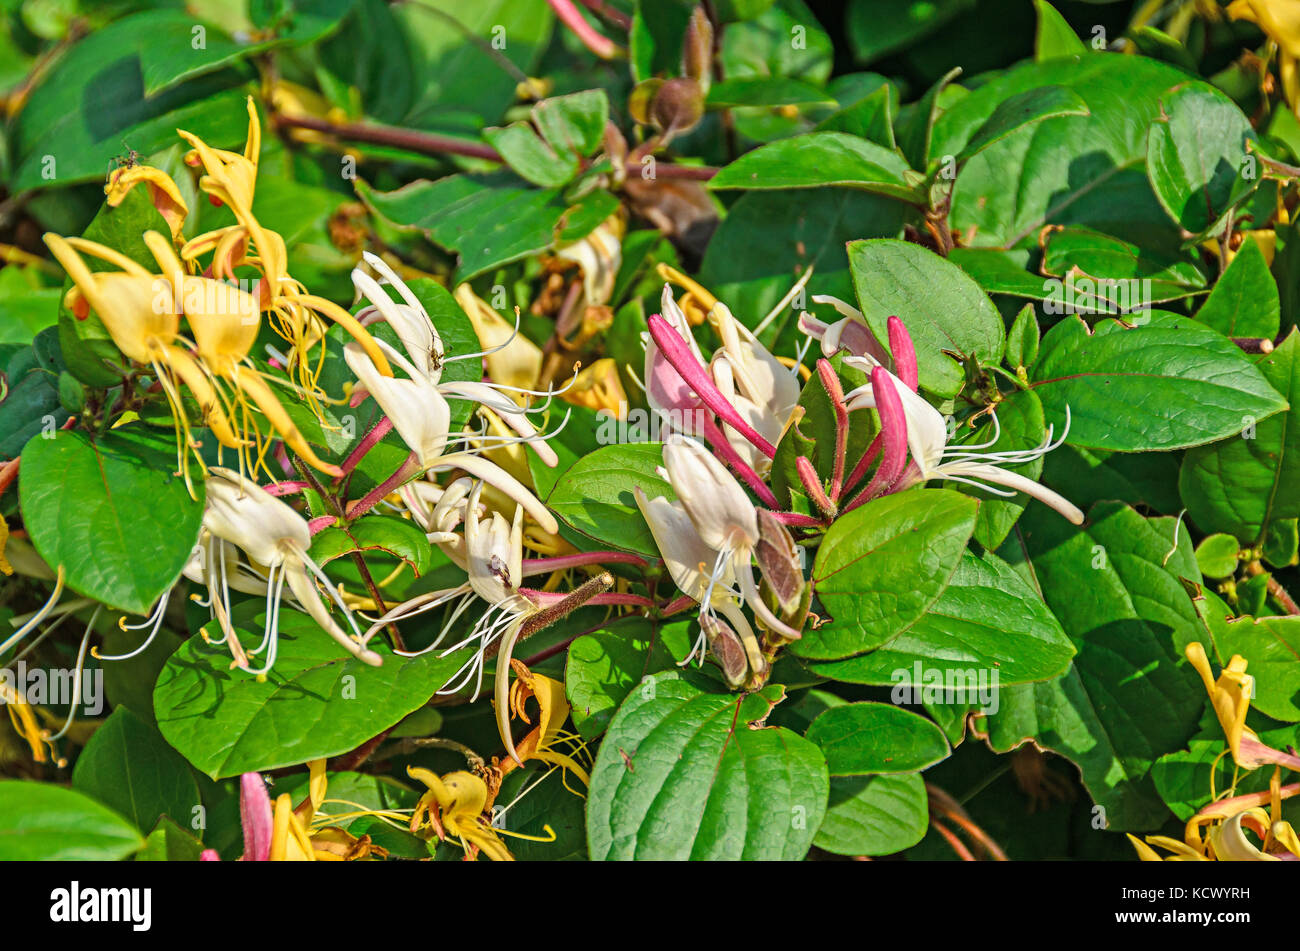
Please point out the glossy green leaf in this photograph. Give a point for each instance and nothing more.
(317, 701)
(1251, 478)
(1054, 37)
(43, 822)
(1193, 385)
(127, 767)
(819, 159)
(859, 739)
(604, 666)
(683, 774)
(1244, 302)
(399, 537)
(882, 566)
(1216, 555)
(874, 815)
(1197, 157)
(595, 496)
(988, 620)
(943, 308)
(1026, 108)
(111, 512)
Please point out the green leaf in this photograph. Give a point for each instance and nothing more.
(769, 91)
(110, 511)
(604, 666)
(874, 815)
(1023, 338)
(573, 124)
(1244, 302)
(987, 619)
(1194, 386)
(127, 766)
(168, 842)
(1026, 108)
(882, 566)
(942, 307)
(1217, 555)
(530, 157)
(867, 738)
(916, 129)
(871, 117)
(769, 238)
(819, 159)
(1129, 697)
(399, 537)
(43, 822)
(684, 774)
(1071, 170)
(875, 29)
(316, 701)
(595, 496)
(490, 219)
(1054, 37)
(1250, 479)
(1197, 155)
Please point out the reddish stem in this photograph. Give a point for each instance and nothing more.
(568, 14)
(368, 442)
(377, 494)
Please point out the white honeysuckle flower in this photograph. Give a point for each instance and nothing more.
(493, 551)
(934, 458)
(410, 321)
(723, 518)
(420, 414)
(272, 534)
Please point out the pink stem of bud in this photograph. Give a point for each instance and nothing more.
(368, 442)
(893, 436)
(599, 44)
(836, 392)
(677, 605)
(679, 356)
(904, 353)
(541, 566)
(727, 453)
(813, 485)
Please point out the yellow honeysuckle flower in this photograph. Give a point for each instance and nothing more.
(512, 359)
(164, 194)
(231, 180)
(1230, 697)
(696, 302)
(599, 254)
(599, 387)
(5, 567)
(455, 806)
(1280, 21)
(548, 742)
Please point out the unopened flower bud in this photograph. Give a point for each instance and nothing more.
(779, 561)
(727, 649)
(697, 47)
(677, 106)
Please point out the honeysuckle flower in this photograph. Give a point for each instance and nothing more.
(163, 193)
(512, 359)
(599, 388)
(421, 415)
(1230, 697)
(701, 573)
(928, 437)
(1280, 21)
(599, 255)
(274, 535)
(455, 806)
(547, 742)
(1217, 831)
(231, 179)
